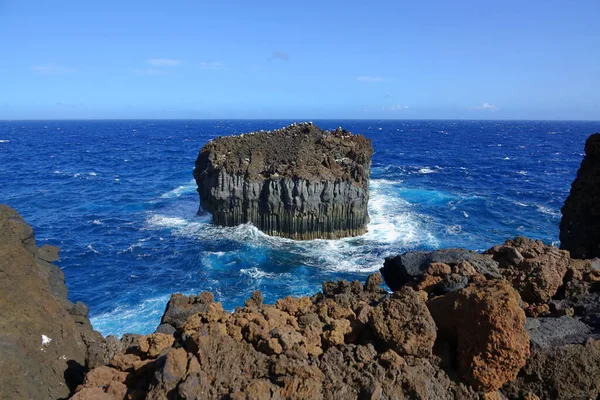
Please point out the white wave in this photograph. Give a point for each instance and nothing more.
(521, 204)
(465, 214)
(57, 172)
(93, 173)
(394, 225)
(143, 317)
(256, 273)
(97, 222)
(506, 158)
(92, 249)
(522, 172)
(547, 210)
(4, 141)
(179, 190)
(426, 170)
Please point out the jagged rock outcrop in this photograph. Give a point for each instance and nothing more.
(409, 267)
(298, 182)
(43, 336)
(580, 224)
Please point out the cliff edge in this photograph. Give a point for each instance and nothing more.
(580, 224)
(298, 182)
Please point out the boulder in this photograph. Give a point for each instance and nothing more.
(298, 182)
(534, 269)
(403, 323)
(486, 324)
(580, 223)
(409, 267)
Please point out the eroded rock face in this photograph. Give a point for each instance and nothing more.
(487, 324)
(534, 269)
(580, 224)
(43, 336)
(298, 182)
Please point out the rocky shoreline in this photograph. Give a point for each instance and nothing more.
(515, 322)
(298, 182)
(520, 321)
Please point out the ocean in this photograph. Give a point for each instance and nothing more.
(119, 199)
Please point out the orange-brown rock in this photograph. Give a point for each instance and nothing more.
(534, 269)
(403, 323)
(486, 323)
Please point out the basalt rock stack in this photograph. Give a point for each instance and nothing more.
(298, 182)
(580, 224)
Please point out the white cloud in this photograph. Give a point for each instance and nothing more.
(149, 71)
(397, 107)
(369, 79)
(164, 62)
(485, 107)
(211, 65)
(50, 69)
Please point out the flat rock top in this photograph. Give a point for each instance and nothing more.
(297, 151)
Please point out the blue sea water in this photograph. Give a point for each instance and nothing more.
(119, 199)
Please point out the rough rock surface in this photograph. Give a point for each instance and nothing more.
(487, 324)
(43, 336)
(564, 362)
(298, 182)
(534, 269)
(328, 346)
(580, 224)
(406, 268)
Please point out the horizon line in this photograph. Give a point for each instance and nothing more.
(295, 119)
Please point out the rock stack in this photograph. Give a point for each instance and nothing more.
(580, 224)
(299, 182)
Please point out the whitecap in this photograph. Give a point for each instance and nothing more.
(522, 172)
(465, 214)
(92, 249)
(179, 190)
(97, 222)
(4, 141)
(547, 210)
(506, 158)
(92, 173)
(426, 170)
(256, 273)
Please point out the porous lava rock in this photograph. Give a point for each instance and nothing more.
(580, 223)
(534, 269)
(487, 326)
(298, 182)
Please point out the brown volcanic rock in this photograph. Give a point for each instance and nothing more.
(404, 323)
(534, 269)
(298, 182)
(580, 224)
(487, 323)
(43, 336)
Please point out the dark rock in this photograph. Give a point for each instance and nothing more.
(564, 372)
(554, 332)
(407, 268)
(42, 346)
(298, 182)
(180, 308)
(580, 223)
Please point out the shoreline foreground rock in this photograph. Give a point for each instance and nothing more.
(298, 182)
(519, 322)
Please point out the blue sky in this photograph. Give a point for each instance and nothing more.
(533, 59)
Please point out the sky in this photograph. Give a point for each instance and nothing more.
(439, 59)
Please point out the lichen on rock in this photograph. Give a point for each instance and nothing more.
(298, 182)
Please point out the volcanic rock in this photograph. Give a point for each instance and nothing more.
(534, 269)
(487, 325)
(43, 336)
(298, 182)
(409, 267)
(580, 223)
